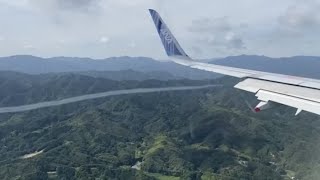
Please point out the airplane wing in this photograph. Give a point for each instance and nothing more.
(300, 93)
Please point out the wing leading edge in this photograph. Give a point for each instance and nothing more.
(297, 92)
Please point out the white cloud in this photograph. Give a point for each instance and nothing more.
(62, 41)
(301, 16)
(229, 36)
(16, 3)
(219, 33)
(132, 44)
(104, 39)
(28, 46)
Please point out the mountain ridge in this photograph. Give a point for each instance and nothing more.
(305, 66)
(37, 65)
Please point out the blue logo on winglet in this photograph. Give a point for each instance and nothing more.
(169, 42)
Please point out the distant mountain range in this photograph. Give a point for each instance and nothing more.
(135, 66)
(141, 68)
(306, 66)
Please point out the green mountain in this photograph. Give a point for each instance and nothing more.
(18, 88)
(200, 134)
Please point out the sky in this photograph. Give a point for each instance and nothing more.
(204, 28)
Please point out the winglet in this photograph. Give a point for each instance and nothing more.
(171, 45)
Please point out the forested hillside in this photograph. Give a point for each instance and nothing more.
(200, 134)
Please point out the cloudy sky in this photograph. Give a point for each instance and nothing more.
(205, 28)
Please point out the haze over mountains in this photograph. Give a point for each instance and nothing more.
(147, 68)
(137, 66)
(306, 66)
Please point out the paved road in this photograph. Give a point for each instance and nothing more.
(97, 95)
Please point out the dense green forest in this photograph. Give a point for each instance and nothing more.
(207, 134)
